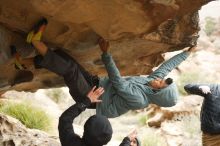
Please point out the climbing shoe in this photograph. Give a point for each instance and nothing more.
(37, 31)
(17, 58)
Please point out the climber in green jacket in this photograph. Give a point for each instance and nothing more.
(135, 92)
(120, 94)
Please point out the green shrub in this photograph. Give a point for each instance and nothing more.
(151, 139)
(209, 25)
(143, 119)
(56, 94)
(192, 77)
(186, 78)
(28, 115)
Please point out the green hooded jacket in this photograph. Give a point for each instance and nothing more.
(132, 93)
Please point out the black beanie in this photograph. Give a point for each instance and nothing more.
(97, 131)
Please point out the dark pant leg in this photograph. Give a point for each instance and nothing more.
(91, 79)
(52, 62)
(78, 85)
(70, 70)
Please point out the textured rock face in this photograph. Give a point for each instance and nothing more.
(13, 133)
(174, 122)
(139, 32)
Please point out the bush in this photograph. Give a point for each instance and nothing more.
(191, 77)
(31, 117)
(143, 119)
(56, 94)
(186, 78)
(152, 139)
(209, 25)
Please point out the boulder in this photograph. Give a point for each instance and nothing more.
(14, 133)
(139, 32)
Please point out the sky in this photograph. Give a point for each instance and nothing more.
(211, 9)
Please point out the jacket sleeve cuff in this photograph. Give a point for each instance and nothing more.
(127, 139)
(87, 102)
(186, 53)
(84, 104)
(106, 56)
